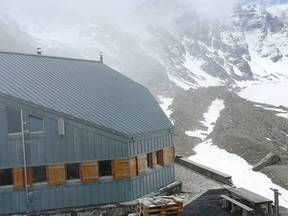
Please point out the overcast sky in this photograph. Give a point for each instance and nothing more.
(108, 9)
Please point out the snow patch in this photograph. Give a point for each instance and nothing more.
(210, 118)
(281, 113)
(165, 103)
(278, 10)
(268, 93)
(181, 83)
(242, 174)
(202, 77)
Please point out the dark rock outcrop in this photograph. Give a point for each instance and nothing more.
(270, 159)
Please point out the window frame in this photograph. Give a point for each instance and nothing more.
(36, 117)
(160, 158)
(79, 174)
(151, 160)
(111, 170)
(12, 179)
(7, 121)
(33, 176)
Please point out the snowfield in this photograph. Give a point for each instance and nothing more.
(219, 159)
(242, 174)
(274, 93)
(210, 118)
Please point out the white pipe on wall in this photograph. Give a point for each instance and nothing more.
(24, 157)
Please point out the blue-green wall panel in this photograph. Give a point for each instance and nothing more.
(78, 194)
(81, 142)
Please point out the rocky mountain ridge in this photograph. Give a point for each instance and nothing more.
(182, 49)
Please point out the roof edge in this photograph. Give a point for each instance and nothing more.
(153, 132)
(55, 57)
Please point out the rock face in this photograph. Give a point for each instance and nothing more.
(270, 159)
(185, 49)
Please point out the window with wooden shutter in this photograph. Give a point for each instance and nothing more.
(168, 155)
(123, 169)
(89, 172)
(141, 165)
(120, 169)
(160, 157)
(56, 175)
(133, 167)
(18, 178)
(151, 160)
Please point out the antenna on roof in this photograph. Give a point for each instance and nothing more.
(39, 51)
(101, 57)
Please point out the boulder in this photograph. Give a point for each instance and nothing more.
(269, 159)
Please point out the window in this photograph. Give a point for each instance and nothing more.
(13, 121)
(35, 124)
(72, 171)
(39, 174)
(151, 160)
(159, 157)
(105, 168)
(6, 177)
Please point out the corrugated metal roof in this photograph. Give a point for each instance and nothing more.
(84, 89)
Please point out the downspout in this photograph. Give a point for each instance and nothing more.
(24, 158)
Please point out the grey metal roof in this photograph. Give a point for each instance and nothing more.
(249, 195)
(84, 89)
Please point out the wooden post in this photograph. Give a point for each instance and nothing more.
(269, 209)
(276, 201)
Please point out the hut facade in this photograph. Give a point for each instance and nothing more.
(77, 133)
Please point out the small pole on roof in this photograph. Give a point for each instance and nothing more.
(101, 57)
(39, 51)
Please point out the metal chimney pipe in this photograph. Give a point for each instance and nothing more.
(39, 51)
(101, 57)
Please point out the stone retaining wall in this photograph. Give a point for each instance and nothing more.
(206, 171)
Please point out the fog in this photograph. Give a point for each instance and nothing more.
(76, 10)
(122, 30)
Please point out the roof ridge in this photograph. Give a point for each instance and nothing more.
(48, 56)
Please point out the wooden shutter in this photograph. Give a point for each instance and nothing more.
(29, 172)
(18, 178)
(56, 175)
(120, 169)
(89, 172)
(141, 163)
(123, 169)
(133, 167)
(168, 156)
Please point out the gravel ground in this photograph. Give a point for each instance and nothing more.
(194, 184)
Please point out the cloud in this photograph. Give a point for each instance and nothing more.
(211, 9)
(110, 9)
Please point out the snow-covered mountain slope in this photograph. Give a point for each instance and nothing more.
(165, 43)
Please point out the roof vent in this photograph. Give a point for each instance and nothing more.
(101, 57)
(39, 51)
